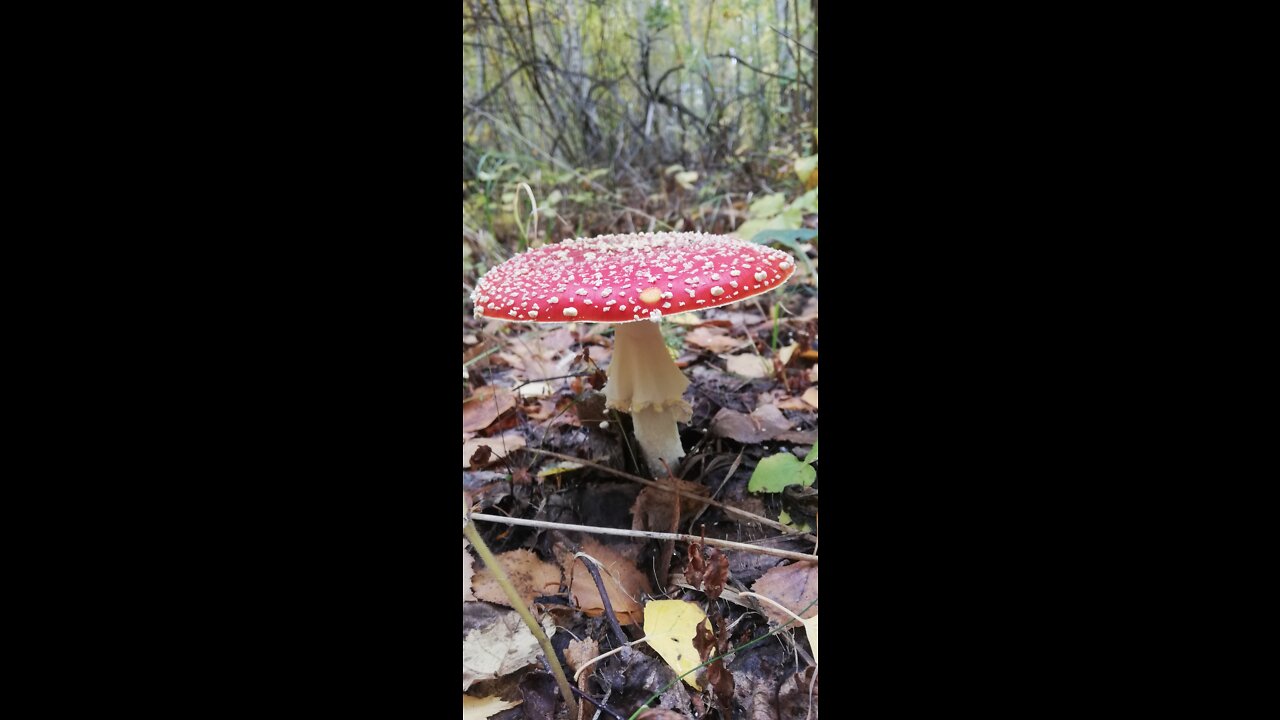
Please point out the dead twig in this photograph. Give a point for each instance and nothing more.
(604, 595)
(645, 534)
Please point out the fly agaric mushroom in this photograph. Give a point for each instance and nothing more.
(630, 280)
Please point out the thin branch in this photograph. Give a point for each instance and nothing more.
(749, 66)
(804, 557)
(811, 50)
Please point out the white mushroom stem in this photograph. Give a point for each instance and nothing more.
(644, 381)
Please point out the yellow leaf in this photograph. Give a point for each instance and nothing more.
(669, 628)
(748, 365)
(805, 167)
(484, 708)
(811, 631)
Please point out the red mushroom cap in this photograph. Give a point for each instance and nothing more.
(624, 278)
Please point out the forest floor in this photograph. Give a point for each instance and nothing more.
(538, 444)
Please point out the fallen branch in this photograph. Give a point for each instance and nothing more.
(644, 534)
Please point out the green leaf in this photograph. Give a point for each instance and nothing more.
(791, 219)
(686, 179)
(752, 228)
(552, 199)
(807, 202)
(783, 236)
(775, 472)
(812, 457)
(768, 205)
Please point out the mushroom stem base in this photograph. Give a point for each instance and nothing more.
(658, 435)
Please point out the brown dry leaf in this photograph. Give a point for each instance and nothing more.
(501, 648)
(467, 572)
(811, 396)
(512, 360)
(622, 581)
(792, 403)
(715, 339)
(538, 354)
(764, 423)
(540, 695)
(484, 708)
(799, 437)
(757, 697)
(748, 365)
(654, 509)
(581, 651)
(501, 445)
(795, 701)
(481, 409)
(793, 586)
(531, 576)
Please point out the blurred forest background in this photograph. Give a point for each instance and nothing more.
(633, 116)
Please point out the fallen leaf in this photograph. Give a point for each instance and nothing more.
(799, 437)
(580, 652)
(811, 632)
(775, 472)
(484, 708)
(811, 395)
(499, 649)
(654, 509)
(813, 374)
(795, 701)
(784, 353)
(764, 423)
(540, 695)
(536, 390)
(792, 403)
(623, 582)
(748, 365)
(669, 626)
(793, 586)
(531, 576)
(467, 572)
(500, 445)
(481, 409)
(715, 339)
(686, 318)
